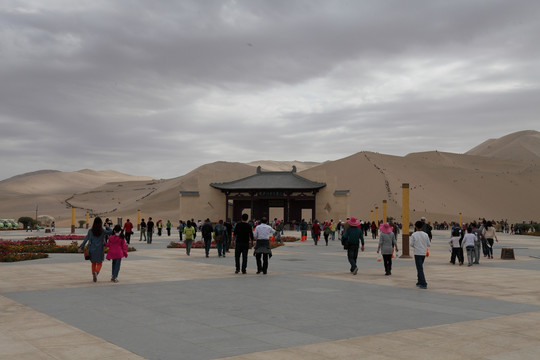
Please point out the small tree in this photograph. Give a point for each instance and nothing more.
(27, 221)
(81, 223)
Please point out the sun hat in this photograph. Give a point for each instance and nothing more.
(386, 228)
(353, 221)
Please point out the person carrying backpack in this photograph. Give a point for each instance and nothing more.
(220, 235)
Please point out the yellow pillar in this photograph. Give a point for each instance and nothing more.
(377, 216)
(87, 219)
(371, 217)
(72, 220)
(460, 220)
(384, 211)
(138, 220)
(405, 221)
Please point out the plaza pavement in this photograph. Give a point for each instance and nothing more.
(171, 306)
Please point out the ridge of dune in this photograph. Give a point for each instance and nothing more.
(441, 185)
(57, 182)
(519, 146)
(272, 165)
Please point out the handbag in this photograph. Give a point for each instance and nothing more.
(86, 254)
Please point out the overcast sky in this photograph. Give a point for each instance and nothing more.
(158, 88)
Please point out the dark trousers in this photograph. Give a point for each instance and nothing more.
(456, 252)
(227, 243)
(490, 247)
(264, 265)
(419, 261)
(241, 250)
(352, 255)
(149, 237)
(484, 247)
(207, 244)
(127, 235)
(168, 231)
(116, 267)
(387, 259)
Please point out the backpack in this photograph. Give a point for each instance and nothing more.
(219, 233)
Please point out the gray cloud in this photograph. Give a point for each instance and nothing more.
(159, 90)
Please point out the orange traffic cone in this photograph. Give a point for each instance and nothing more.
(304, 237)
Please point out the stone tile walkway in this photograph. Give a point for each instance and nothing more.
(171, 306)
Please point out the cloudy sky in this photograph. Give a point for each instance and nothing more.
(159, 88)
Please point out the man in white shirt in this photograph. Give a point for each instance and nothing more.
(262, 233)
(419, 240)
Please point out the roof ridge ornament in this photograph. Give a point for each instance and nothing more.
(259, 169)
(294, 168)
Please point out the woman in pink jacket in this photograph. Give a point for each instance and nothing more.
(117, 250)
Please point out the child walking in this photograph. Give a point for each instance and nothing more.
(117, 250)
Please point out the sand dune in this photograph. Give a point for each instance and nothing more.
(498, 179)
(521, 146)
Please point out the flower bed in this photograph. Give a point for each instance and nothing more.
(57, 237)
(289, 239)
(13, 257)
(11, 251)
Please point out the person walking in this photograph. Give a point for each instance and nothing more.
(181, 227)
(468, 243)
(262, 247)
(477, 243)
(128, 227)
(220, 235)
(387, 243)
(206, 231)
(243, 238)
(95, 239)
(373, 230)
(149, 230)
(352, 237)
(118, 249)
(316, 231)
(455, 243)
(168, 227)
(143, 230)
(303, 229)
(159, 226)
(189, 233)
(489, 234)
(326, 231)
(339, 227)
(229, 226)
(419, 241)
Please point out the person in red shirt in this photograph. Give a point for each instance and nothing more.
(128, 226)
(316, 229)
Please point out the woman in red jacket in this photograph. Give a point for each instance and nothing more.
(117, 250)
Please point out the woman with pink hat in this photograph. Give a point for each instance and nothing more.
(353, 236)
(387, 243)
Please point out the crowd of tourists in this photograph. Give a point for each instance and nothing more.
(472, 239)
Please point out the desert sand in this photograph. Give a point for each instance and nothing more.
(498, 179)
